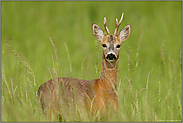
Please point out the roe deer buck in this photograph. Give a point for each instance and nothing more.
(97, 93)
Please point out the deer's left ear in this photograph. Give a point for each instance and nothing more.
(98, 32)
(124, 33)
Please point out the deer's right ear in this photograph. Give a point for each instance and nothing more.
(97, 32)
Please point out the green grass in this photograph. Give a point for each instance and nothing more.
(150, 68)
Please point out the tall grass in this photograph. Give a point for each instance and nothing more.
(150, 68)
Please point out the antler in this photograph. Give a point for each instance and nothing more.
(118, 24)
(106, 28)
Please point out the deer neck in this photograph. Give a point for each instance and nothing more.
(109, 73)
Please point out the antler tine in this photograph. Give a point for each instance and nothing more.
(121, 18)
(106, 28)
(118, 24)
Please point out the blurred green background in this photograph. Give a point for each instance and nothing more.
(154, 46)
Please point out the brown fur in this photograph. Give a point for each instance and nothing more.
(97, 94)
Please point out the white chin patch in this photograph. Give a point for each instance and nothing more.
(110, 60)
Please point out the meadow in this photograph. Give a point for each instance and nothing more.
(150, 64)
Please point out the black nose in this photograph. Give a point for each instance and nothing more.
(111, 57)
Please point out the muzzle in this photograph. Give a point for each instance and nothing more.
(111, 57)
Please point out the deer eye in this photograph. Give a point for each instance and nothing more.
(118, 46)
(104, 45)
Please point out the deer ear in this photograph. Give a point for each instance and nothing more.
(97, 32)
(124, 33)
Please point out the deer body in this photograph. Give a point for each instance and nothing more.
(97, 94)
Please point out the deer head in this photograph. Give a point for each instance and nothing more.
(111, 43)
